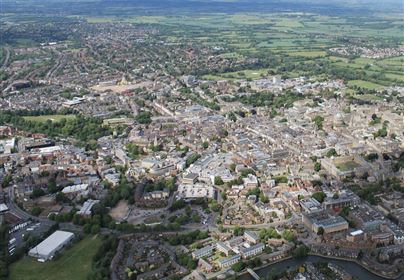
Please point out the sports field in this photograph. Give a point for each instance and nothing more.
(74, 263)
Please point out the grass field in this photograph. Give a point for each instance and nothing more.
(368, 97)
(364, 84)
(308, 53)
(240, 75)
(44, 118)
(347, 166)
(74, 263)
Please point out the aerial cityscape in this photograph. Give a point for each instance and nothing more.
(201, 139)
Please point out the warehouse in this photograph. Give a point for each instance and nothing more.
(47, 248)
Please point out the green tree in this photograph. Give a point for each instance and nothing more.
(319, 196)
(218, 181)
(317, 166)
(238, 266)
(320, 231)
(331, 153)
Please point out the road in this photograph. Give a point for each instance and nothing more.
(6, 58)
(18, 211)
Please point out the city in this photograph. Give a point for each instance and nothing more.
(201, 144)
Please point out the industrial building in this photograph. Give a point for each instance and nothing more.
(54, 243)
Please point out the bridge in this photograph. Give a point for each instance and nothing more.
(253, 274)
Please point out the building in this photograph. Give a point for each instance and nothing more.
(252, 251)
(51, 245)
(222, 247)
(251, 236)
(164, 194)
(198, 190)
(203, 252)
(356, 235)
(229, 261)
(346, 200)
(235, 241)
(75, 189)
(330, 224)
(87, 206)
(250, 181)
(190, 179)
(310, 205)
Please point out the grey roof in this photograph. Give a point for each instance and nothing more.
(50, 244)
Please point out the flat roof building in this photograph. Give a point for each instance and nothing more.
(203, 252)
(251, 236)
(252, 251)
(229, 261)
(324, 220)
(47, 248)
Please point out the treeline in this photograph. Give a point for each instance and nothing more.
(4, 262)
(102, 259)
(268, 99)
(82, 128)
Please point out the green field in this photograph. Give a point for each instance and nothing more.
(74, 263)
(364, 84)
(240, 75)
(347, 166)
(308, 53)
(53, 118)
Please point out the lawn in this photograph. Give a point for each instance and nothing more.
(44, 118)
(74, 263)
(364, 84)
(347, 166)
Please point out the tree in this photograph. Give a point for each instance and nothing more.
(238, 266)
(61, 197)
(36, 210)
(37, 192)
(232, 167)
(331, 153)
(205, 145)
(317, 166)
(319, 196)
(263, 198)
(318, 121)
(238, 231)
(320, 231)
(300, 252)
(218, 181)
(144, 117)
(95, 229)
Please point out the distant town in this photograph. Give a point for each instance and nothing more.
(165, 158)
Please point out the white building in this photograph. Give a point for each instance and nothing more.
(252, 251)
(87, 206)
(47, 248)
(203, 252)
(229, 261)
(197, 190)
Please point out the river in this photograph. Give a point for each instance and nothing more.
(352, 268)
